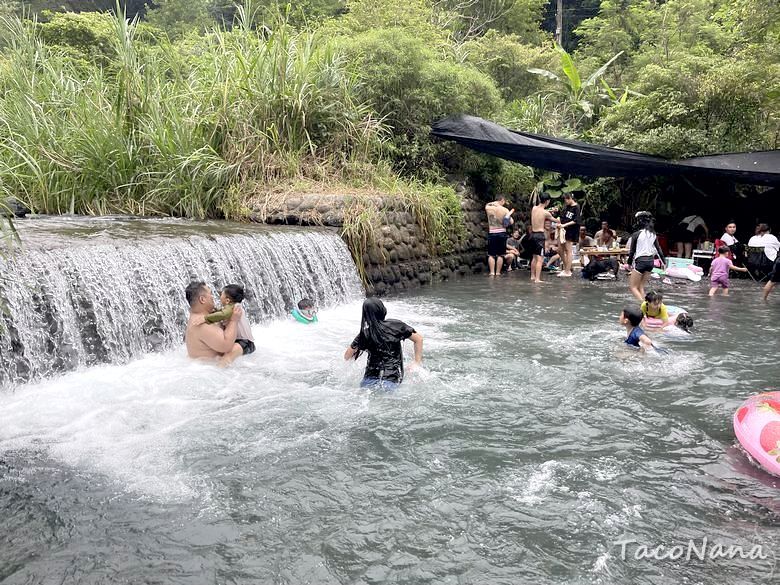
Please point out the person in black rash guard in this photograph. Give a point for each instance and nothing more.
(570, 221)
(381, 338)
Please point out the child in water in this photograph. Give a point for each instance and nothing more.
(305, 313)
(654, 307)
(245, 342)
(719, 271)
(631, 318)
(682, 326)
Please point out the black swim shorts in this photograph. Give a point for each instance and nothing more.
(573, 233)
(775, 274)
(644, 264)
(681, 233)
(537, 243)
(246, 345)
(496, 244)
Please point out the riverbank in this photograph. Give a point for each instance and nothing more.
(394, 241)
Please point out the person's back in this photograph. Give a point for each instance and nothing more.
(719, 269)
(764, 239)
(385, 359)
(538, 214)
(382, 338)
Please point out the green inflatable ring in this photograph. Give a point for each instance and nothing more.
(298, 316)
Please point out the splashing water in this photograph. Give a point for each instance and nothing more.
(102, 292)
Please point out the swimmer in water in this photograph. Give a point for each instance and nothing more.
(681, 327)
(630, 318)
(381, 338)
(305, 312)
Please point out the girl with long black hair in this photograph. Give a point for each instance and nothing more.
(381, 338)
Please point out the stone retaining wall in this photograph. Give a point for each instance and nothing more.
(400, 258)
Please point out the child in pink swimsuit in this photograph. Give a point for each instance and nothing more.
(719, 271)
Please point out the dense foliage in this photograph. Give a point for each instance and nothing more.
(200, 102)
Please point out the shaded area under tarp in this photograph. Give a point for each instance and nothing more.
(580, 158)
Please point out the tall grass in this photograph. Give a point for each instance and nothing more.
(174, 129)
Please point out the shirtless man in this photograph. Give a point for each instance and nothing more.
(207, 341)
(539, 214)
(499, 218)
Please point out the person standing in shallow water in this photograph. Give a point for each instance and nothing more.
(539, 214)
(381, 338)
(499, 218)
(643, 248)
(570, 222)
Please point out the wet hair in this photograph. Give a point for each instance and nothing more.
(633, 315)
(684, 321)
(543, 197)
(645, 221)
(371, 323)
(724, 250)
(305, 304)
(235, 292)
(193, 291)
(653, 296)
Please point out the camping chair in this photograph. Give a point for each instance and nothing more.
(718, 244)
(758, 265)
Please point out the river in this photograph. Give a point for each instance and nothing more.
(528, 447)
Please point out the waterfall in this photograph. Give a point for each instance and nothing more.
(83, 292)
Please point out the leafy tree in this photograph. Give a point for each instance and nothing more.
(85, 36)
(582, 96)
(408, 84)
(178, 17)
(524, 19)
(507, 60)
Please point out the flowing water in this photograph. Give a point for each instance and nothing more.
(531, 442)
(85, 291)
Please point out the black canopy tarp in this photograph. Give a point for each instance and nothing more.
(580, 158)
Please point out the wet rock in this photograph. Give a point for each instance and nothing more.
(12, 207)
(375, 256)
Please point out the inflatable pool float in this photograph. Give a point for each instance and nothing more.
(673, 312)
(679, 268)
(757, 426)
(301, 318)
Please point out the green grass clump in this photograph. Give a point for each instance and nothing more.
(173, 129)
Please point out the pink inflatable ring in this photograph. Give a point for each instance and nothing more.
(757, 426)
